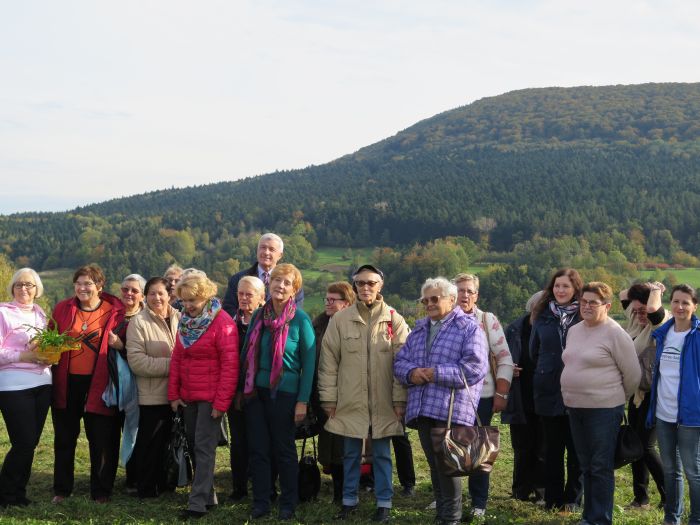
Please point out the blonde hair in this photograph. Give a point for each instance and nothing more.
(602, 290)
(461, 277)
(196, 285)
(288, 269)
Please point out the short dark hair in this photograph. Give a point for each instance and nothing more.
(686, 288)
(92, 271)
(639, 292)
(157, 280)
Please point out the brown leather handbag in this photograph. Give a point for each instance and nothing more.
(463, 450)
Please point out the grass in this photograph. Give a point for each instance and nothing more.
(685, 275)
(125, 509)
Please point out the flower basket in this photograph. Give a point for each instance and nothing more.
(52, 353)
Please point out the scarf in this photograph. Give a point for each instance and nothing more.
(566, 315)
(192, 328)
(279, 327)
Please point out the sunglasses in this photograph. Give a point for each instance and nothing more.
(371, 284)
(433, 299)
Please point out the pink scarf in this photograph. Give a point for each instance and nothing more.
(279, 327)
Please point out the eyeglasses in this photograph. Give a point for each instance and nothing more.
(126, 289)
(371, 284)
(468, 292)
(173, 280)
(592, 304)
(331, 300)
(639, 311)
(433, 299)
(28, 286)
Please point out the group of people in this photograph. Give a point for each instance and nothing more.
(561, 376)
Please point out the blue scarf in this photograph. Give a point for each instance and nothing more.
(192, 328)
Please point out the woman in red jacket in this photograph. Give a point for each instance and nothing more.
(203, 378)
(79, 380)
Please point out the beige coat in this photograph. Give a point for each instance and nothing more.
(356, 371)
(149, 345)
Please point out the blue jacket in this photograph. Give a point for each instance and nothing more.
(689, 388)
(545, 352)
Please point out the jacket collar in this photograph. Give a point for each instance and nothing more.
(456, 313)
(660, 333)
(379, 312)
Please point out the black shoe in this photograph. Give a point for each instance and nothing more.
(191, 514)
(212, 506)
(238, 496)
(382, 515)
(408, 491)
(285, 515)
(345, 512)
(259, 513)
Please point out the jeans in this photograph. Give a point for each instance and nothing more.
(381, 466)
(650, 463)
(595, 435)
(479, 482)
(680, 447)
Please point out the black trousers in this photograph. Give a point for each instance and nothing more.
(527, 440)
(404, 460)
(102, 432)
(239, 450)
(650, 463)
(558, 440)
(147, 461)
(24, 412)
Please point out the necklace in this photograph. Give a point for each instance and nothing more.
(86, 322)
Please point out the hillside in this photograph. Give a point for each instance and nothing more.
(505, 169)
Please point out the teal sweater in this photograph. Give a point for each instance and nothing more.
(298, 361)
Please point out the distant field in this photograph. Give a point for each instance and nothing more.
(686, 275)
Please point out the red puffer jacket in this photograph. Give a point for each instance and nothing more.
(207, 370)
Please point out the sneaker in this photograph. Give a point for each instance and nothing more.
(477, 512)
(433, 505)
(58, 500)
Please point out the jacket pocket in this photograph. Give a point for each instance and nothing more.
(351, 341)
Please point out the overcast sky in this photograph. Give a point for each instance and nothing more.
(104, 99)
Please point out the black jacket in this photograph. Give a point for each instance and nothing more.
(520, 399)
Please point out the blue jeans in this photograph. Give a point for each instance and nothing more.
(381, 466)
(479, 482)
(680, 448)
(595, 434)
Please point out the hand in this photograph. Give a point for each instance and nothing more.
(659, 286)
(499, 404)
(430, 374)
(299, 412)
(400, 411)
(216, 414)
(330, 412)
(420, 376)
(31, 356)
(516, 371)
(177, 403)
(114, 341)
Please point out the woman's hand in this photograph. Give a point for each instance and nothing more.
(216, 414)
(114, 341)
(299, 412)
(516, 370)
(420, 376)
(330, 412)
(177, 403)
(32, 356)
(499, 403)
(400, 411)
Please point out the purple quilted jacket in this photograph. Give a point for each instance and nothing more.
(459, 343)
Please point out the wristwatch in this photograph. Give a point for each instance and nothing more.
(504, 396)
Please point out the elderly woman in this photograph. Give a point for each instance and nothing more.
(494, 394)
(339, 296)
(150, 339)
(79, 380)
(446, 348)
(357, 389)
(645, 313)
(551, 317)
(675, 403)
(278, 370)
(600, 373)
(173, 275)
(25, 383)
(202, 380)
(251, 296)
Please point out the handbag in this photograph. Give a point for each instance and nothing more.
(628, 447)
(465, 450)
(309, 477)
(178, 463)
(223, 432)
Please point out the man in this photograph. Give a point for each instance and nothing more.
(270, 251)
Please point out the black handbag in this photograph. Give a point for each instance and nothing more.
(178, 463)
(463, 450)
(309, 479)
(223, 432)
(628, 447)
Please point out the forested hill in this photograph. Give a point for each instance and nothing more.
(537, 162)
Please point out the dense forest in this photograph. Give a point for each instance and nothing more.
(610, 170)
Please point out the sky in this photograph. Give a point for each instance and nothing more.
(102, 99)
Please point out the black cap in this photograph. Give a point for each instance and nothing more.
(371, 268)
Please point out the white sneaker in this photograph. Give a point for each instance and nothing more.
(433, 505)
(477, 512)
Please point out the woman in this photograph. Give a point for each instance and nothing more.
(79, 380)
(25, 384)
(251, 296)
(446, 348)
(278, 371)
(357, 388)
(494, 394)
(675, 403)
(150, 339)
(642, 303)
(552, 316)
(173, 275)
(202, 380)
(339, 296)
(601, 371)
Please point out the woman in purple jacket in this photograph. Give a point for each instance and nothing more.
(445, 347)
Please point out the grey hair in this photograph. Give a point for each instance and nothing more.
(173, 268)
(253, 281)
(35, 276)
(446, 287)
(272, 237)
(135, 277)
(461, 277)
(192, 271)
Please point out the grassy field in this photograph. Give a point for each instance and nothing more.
(127, 509)
(686, 275)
